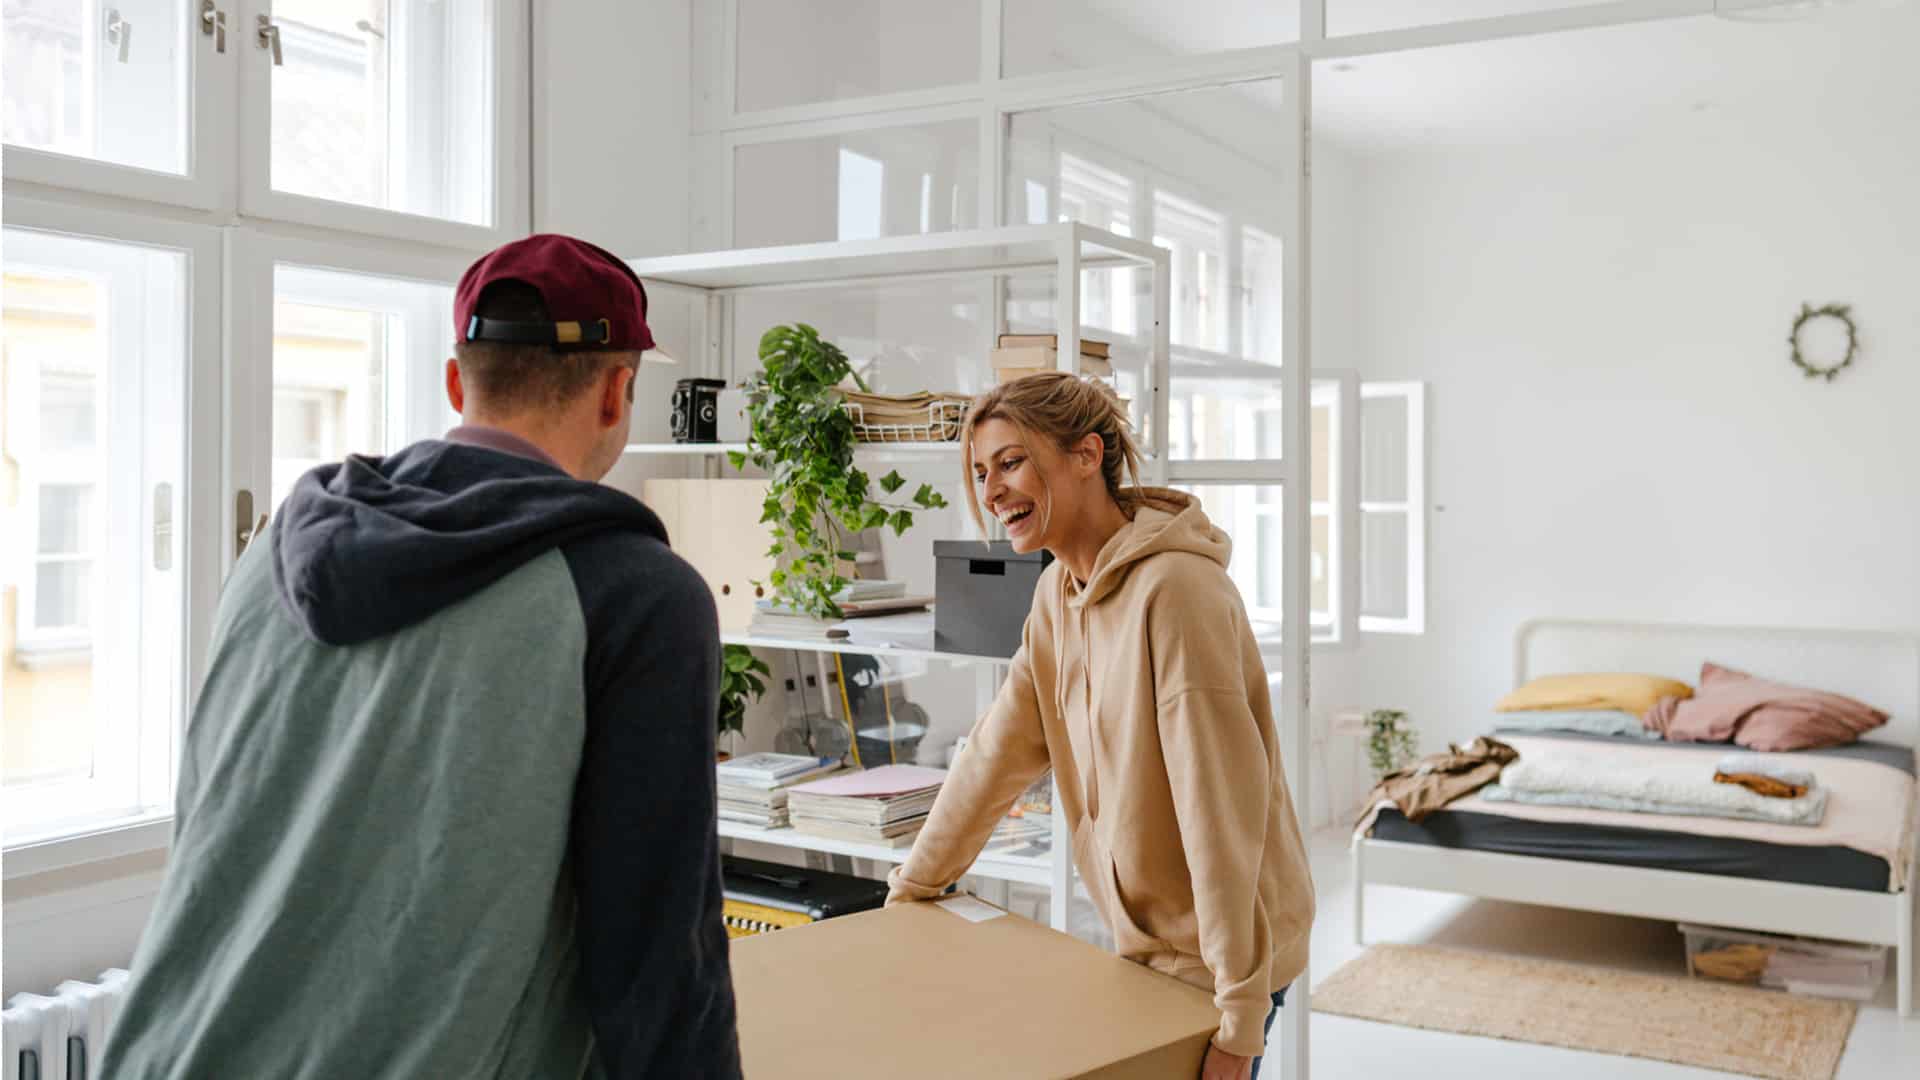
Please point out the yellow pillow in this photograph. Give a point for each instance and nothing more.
(1628, 693)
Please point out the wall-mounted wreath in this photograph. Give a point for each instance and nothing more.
(1813, 368)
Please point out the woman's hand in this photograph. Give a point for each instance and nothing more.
(1220, 1065)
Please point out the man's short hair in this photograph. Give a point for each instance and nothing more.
(503, 378)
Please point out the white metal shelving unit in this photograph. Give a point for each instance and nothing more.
(1062, 250)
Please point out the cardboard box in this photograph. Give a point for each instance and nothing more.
(709, 522)
(924, 991)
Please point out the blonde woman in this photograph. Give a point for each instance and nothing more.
(1139, 682)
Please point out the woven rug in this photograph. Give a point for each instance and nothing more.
(1687, 1021)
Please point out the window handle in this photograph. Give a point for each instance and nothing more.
(247, 528)
(267, 36)
(119, 34)
(213, 23)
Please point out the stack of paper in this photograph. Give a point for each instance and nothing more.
(912, 630)
(922, 417)
(753, 789)
(883, 806)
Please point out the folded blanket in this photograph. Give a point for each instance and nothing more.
(1679, 789)
(1585, 721)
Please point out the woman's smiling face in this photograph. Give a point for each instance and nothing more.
(1011, 482)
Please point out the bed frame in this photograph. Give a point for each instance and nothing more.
(1881, 668)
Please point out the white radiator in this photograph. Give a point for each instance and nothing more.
(60, 1036)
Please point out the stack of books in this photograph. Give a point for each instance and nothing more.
(1020, 355)
(753, 788)
(884, 806)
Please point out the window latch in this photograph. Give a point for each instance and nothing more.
(213, 23)
(267, 36)
(119, 34)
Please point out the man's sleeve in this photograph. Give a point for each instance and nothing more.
(645, 849)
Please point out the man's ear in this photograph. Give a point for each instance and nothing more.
(456, 393)
(616, 394)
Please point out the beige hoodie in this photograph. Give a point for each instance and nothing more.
(1144, 690)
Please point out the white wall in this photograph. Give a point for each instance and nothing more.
(1615, 428)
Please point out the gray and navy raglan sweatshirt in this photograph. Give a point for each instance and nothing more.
(446, 801)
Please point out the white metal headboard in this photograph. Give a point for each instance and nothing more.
(1880, 668)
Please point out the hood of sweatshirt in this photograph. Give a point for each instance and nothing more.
(1163, 520)
(370, 545)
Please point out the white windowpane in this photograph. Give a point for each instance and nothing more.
(1383, 449)
(68, 415)
(387, 103)
(61, 597)
(1323, 452)
(1260, 297)
(1058, 35)
(1383, 565)
(94, 341)
(791, 52)
(889, 182)
(1250, 514)
(1320, 571)
(863, 183)
(1372, 16)
(66, 519)
(357, 367)
(100, 81)
(1201, 174)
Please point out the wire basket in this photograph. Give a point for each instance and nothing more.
(937, 421)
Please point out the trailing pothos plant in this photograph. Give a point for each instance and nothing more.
(816, 497)
(740, 684)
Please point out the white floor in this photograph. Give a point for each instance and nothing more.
(1882, 1045)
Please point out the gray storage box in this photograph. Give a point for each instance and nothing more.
(981, 595)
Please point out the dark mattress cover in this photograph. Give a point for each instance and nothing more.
(1656, 849)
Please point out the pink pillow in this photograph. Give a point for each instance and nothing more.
(1762, 715)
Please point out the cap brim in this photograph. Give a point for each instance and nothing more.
(658, 355)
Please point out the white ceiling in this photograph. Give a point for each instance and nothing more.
(1794, 65)
(1621, 80)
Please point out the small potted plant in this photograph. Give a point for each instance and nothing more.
(1391, 741)
(740, 686)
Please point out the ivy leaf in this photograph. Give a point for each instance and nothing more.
(738, 459)
(901, 521)
(774, 551)
(892, 482)
(926, 497)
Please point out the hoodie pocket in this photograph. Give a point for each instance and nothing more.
(1102, 879)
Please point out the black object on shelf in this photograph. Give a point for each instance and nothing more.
(816, 894)
(982, 593)
(696, 410)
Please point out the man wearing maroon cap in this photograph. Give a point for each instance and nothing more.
(446, 803)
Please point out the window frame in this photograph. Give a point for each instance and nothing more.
(512, 140)
(209, 182)
(1413, 507)
(137, 789)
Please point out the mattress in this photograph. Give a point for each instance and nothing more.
(1664, 843)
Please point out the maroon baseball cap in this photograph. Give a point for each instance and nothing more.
(595, 300)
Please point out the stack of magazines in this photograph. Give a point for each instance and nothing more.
(884, 806)
(753, 788)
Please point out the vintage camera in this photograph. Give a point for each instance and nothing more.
(696, 409)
